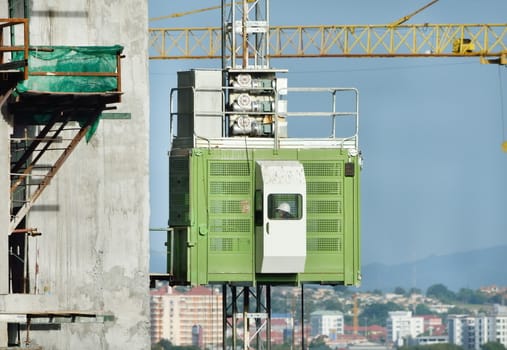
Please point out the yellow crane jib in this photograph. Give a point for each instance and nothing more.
(486, 41)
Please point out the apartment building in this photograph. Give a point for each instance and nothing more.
(472, 331)
(401, 325)
(467, 331)
(191, 317)
(328, 323)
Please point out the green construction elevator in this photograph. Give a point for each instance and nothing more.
(261, 194)
(230, 169)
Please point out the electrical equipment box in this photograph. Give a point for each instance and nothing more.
(200, 103)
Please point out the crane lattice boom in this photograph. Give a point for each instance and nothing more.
(487, 41)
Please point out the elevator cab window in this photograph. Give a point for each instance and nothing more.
(284, 206)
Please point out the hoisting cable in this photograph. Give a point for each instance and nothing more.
(502, 111)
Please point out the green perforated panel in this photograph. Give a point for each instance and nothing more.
(324, 244)
(333, 169)
(324, 187)
(229, 168)
(230, 220)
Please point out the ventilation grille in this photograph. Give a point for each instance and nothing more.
(324, 207)
(228, 188)
(229, 169)
(333, 169)
(324, 189)
(217, 225)
(230, 217)
(324, 244)
(218, 206)
(218, 244)
(324, 226)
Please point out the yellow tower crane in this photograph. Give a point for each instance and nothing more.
(486, 41)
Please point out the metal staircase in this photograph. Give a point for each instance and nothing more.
(29, 176)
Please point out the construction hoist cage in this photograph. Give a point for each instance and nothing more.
(249, 204)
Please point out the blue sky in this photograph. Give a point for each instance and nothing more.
(434, 180)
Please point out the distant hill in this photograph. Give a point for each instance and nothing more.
(472, 269)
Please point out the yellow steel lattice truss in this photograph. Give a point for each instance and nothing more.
(487, 41)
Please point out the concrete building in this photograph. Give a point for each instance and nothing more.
(401, 325)
(431, 340)
(467, 331)
(86, 280)
(456, 327)
(328, 323)
(500, 329)
(471, 332)
(176, 316)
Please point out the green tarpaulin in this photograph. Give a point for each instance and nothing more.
(71, 59)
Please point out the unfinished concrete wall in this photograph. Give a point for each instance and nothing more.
(93, 252)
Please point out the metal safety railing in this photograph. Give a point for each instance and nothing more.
(13, 24)
(328, 136)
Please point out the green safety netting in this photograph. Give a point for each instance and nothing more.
(71, 59)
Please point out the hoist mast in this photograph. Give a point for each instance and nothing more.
(245, 34)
